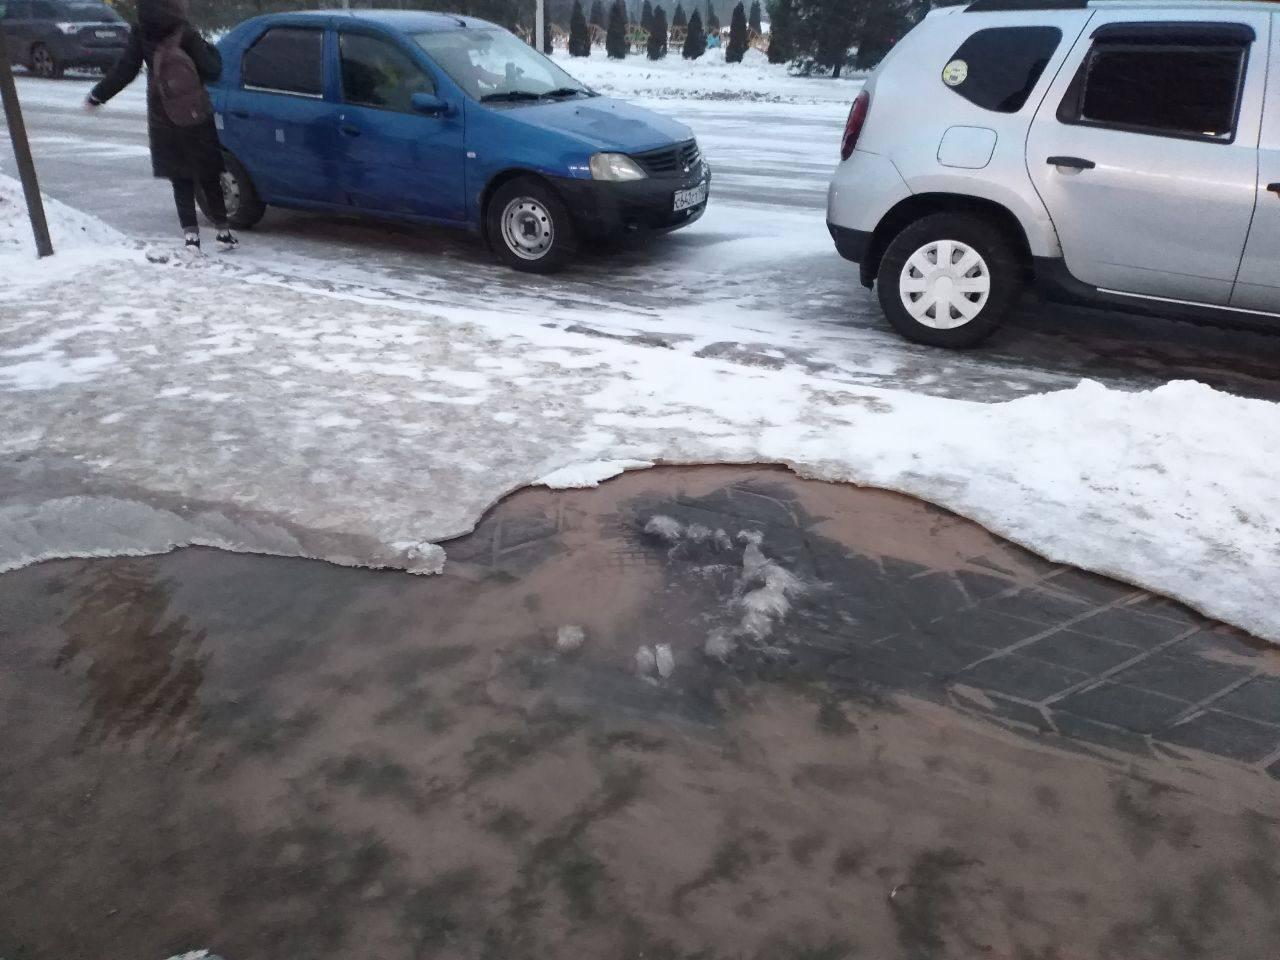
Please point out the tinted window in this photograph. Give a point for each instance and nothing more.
(287, 59)
(998, 68)
(87, 13)
(1169, 89)
(377, 74)
(42, 11)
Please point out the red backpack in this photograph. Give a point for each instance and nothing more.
(182, 92)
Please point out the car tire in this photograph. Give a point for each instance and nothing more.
(949, 280)
(44, 64)
(529, 226)
(245, 208)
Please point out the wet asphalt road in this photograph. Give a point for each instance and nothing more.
(757, 272)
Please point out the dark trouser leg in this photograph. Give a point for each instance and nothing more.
(215, 203)
(184, 195)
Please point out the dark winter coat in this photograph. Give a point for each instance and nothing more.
(190, 153)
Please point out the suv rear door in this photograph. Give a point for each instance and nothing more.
(1258, 286)
(1145, 150)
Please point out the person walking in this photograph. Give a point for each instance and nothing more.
(180, 126)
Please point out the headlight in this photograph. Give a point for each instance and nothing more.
(68, 28)
(615, 166)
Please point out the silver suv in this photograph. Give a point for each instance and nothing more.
(1122, 153)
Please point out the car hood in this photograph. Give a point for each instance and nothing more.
(603, 123)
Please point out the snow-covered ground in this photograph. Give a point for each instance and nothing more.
(707, 78)
(149, 406)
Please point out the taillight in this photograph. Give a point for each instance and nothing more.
(853, 126)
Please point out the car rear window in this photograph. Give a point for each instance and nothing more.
(286, 60)
(998, 68)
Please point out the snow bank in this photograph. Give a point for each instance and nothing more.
(79, 240)
(707, 78)
(363, 430)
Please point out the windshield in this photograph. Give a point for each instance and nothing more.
(496, 65)
(87, 13)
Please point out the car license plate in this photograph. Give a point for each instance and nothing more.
(106, 34)
(691, 197)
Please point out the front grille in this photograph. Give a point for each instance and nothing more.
(678, 161)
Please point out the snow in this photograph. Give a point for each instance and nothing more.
(70, 230)
(321, 440)
(707, 78)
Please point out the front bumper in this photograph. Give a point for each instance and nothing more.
(604, 209)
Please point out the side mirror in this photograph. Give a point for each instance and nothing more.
(430, 105)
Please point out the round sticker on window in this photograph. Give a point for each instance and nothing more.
(955, 73)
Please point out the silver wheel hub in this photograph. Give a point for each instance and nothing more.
(527, 229)
(945, 284)
(43, 61)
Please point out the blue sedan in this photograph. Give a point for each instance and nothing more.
(443, 119)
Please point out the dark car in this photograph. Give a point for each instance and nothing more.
(51, 36)
(443, 119)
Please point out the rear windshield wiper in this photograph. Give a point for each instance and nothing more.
(510, 95)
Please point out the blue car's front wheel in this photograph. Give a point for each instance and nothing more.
(529, 226)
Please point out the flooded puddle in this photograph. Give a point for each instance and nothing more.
(910, 740)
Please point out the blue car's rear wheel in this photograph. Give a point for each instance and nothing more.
(244, 207)
(529, 226)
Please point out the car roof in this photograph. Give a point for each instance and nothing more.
(401, 21)
(1030, 6)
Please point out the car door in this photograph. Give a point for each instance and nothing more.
(1145, 150)
(1258, 286)
(278, 121)
(396, 159)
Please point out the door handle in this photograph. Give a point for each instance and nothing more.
(241, 114)
(1274, 188)
(1071, 163)
(349, 130)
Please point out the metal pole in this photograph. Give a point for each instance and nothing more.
(22, 153)
(539, 24)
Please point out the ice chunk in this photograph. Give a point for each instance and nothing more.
(425, 558)
(751, 536)
(719, 645)
(664, 527)
(697, 532)
(646, 662)
(570, 638)
(664, 659)
(592, 473)
(770, 601)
